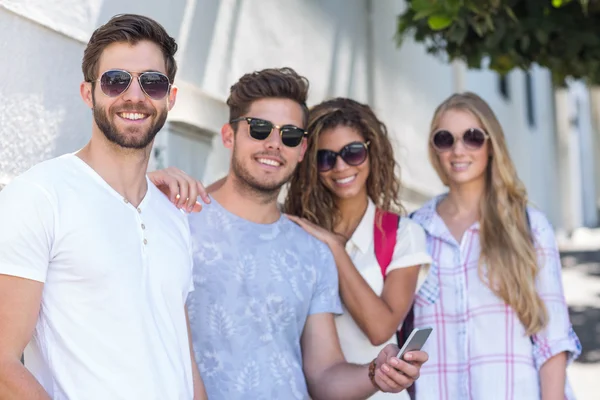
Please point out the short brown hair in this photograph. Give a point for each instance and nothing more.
(130, 28)
(283, 83)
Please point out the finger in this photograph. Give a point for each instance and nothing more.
(405, 369)
(416, 357)
(183, 191)
(192, 193)
(202, 192)
(173, 189)
(197, 207)
(384, 382)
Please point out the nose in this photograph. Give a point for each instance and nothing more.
(274, 140)
(340, 164)
(134, 92)
(459, 147)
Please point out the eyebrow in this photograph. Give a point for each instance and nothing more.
(152, 70)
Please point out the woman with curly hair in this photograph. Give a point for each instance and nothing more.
(343, 193)
(493, 294)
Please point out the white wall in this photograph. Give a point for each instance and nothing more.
(344, 47)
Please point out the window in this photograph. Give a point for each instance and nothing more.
(529, 100)
(188, 148)
(503, 87)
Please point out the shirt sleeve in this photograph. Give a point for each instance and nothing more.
(411, 246)
(326, 296)
(27, 218)
(559, 335)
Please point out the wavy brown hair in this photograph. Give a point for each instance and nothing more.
(507, 247)
(282, 83)
(308, 197)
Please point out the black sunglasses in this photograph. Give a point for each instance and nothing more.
(473, 139)
(115, 82)
(260, 129)
(353, 154)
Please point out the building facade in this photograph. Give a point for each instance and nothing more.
(344, 47)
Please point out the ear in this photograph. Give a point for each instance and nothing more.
(85, 90)
(303, 147)
(228, 135)
(172, 97)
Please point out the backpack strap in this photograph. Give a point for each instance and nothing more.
(385, 238)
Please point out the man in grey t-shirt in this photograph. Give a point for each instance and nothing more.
(266, 291)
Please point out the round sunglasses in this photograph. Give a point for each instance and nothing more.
(353, 154)
(260, 129)
(473, 139)
(115, 82)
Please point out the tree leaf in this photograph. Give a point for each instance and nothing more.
(510, 13)
(423, 14)
(437, 22)
(422, 5)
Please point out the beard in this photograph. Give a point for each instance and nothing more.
(134, 137)
(268, 189)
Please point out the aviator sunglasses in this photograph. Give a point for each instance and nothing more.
(260, 129)
(115, 82)
(353, 154)
(473, 139)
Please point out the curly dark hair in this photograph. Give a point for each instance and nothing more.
(128, 28)
(308, 197)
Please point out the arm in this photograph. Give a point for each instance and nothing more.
(378, 317)
(329, 376)
(553, 377)
(26, 240)
(19, 307)
(557, 344)
(199, 390)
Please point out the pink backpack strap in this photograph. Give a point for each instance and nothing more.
(385, 238)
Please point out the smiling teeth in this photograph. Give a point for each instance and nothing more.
(345, 180)
(460, 165)
(269, 162)
(133, 116)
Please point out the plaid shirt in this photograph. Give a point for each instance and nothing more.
(478, 348)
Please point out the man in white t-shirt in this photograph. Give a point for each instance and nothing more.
(95, 262)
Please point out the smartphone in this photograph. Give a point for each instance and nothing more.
(415, 341)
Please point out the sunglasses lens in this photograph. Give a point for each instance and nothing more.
(443, 140)
(354, 154)
(113, 83)
(291, 136)
(325, 160)
(260, 129)
(474, 139)
(155, 84)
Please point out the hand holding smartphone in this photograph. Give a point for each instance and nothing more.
(415, 341)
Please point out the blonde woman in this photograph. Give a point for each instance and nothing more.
(494, 294)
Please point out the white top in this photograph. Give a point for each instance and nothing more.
(410, 250)
(116, 278)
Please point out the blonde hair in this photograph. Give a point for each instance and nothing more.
(507, 248)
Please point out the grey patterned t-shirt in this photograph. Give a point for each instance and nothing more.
(255, 287)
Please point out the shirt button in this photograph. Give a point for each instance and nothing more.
(143, 226)
(125, 200)
(145, 241)
(139, 210)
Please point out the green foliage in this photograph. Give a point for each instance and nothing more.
(562, 35)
